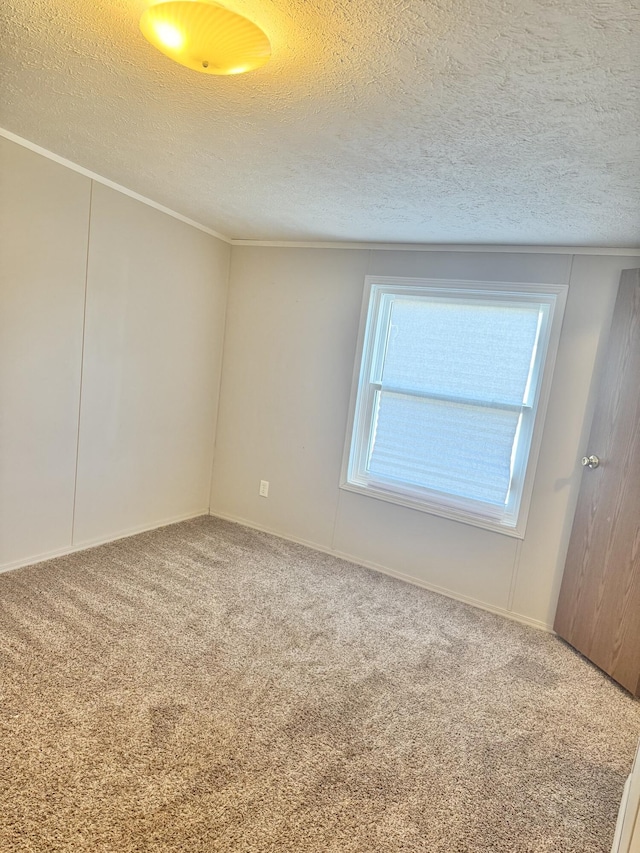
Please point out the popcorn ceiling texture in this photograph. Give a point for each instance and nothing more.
(496, 121)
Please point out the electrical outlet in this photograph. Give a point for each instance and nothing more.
(264, 488)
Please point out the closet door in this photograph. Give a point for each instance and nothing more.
(599, 607)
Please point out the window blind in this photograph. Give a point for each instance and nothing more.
(451, 387)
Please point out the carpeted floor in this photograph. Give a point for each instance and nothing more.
(206, 687)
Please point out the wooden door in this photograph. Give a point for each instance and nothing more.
(599, 607)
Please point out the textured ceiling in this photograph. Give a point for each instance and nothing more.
(475, 121)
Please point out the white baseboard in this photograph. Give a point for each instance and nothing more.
(385, 570)
(101, 540)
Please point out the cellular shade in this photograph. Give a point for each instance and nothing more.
(452, 388)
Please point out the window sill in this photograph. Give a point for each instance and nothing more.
(432, 508)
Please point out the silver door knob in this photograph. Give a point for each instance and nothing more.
(590, 461)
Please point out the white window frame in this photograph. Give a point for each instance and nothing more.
(369, 354)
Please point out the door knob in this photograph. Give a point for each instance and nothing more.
(590, 461)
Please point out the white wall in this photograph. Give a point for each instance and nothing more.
(44, 219)
(106, 426)
(111, 329)
(292, 322)
(151, 370)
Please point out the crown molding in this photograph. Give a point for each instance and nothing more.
(320, 244)
(50, 155)
(445, 247)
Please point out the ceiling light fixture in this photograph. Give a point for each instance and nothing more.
(205, 36)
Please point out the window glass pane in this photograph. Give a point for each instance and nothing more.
(447, 412)
(461, 349)
(449, 447)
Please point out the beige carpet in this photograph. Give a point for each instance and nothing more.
(209, 688)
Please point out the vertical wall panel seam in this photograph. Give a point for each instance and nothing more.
(221, 376)
(514, 575)
(84, 329)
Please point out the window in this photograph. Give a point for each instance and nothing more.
(449, 397)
